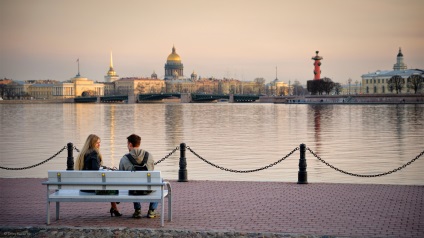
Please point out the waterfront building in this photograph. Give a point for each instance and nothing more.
(134, 85)
(111, 75)
(40, 91)
(277, 87)
(76, 87)
(376, 82)
(174, 69)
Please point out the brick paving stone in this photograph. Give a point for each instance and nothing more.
(317, 209)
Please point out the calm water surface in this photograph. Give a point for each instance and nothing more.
(363, 139)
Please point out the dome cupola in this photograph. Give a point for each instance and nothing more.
(173, 57)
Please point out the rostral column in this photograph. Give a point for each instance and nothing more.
(317, 64)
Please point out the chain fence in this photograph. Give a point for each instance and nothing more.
(365, 175)
(170, 153)
(244, 171)
(241, 171)
(77, 150)
(35, 165)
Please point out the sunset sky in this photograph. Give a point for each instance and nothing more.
(243, 39)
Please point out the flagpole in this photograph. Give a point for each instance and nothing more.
(78, 68)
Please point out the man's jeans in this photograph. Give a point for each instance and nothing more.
(152, 206)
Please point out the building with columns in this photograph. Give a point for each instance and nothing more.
(174, 69)
(76, 87)
(376, 82)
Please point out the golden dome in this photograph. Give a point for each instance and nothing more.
(174, 56)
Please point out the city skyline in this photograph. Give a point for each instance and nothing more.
(233, 39)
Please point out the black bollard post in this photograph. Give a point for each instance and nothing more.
(70, 161)
(182, 173)
(302, 177)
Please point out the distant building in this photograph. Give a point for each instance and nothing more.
(76, 87)
(277, 87)
(128, 86)
(111, 75)
(174, 69)
(376, 82)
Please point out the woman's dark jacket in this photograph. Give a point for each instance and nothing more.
(91, 162)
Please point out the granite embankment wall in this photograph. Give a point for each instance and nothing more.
(345, 99)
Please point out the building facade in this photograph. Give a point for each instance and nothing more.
(133, 85)
(377, 82)
(77, 87)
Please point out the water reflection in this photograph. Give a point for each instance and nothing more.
(365, 139)
(174, 123)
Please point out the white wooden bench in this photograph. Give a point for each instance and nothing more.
(67, 186)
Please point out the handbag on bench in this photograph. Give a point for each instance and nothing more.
(107, 192)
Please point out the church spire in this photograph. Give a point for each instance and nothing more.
(111, 74)
(111, 60)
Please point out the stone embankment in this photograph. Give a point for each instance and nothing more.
(65, 232)
(37, 101)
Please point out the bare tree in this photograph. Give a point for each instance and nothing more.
(327, 85)
(396, 83)
(415, 82)
(297, 88)
(337, 88)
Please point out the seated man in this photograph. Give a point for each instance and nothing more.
(138, 159)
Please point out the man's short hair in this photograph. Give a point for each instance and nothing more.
(134, 140)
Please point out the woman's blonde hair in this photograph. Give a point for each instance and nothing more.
(90, 145)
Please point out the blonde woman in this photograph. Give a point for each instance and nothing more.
(90, 159)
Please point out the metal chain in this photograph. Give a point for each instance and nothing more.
(362, 175)
(35, 165)
(75, 148)
(242, 171)
(170, 153)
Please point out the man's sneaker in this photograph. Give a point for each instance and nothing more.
(151, 214)
(137, 214)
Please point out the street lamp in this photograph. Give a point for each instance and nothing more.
(289, 87)
(349, 81)
(356, 87)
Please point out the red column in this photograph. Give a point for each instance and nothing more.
(317, 64)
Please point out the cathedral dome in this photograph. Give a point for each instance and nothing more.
(174, 57)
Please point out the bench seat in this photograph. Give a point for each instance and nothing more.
(67, 185)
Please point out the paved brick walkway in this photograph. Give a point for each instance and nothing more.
(347, 210)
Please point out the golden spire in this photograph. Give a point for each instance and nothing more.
(111, 61)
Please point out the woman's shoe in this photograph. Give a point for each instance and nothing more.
(115, 212)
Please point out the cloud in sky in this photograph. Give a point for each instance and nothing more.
(242, 39)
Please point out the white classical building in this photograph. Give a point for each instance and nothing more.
(376, 82)
(76, 87)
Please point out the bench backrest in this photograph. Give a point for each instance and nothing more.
(104, 180)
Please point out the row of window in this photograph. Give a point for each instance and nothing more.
(376, 80)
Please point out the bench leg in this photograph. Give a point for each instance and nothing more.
(169, 208)
(57, 210)
(48, 212)
(162, 211)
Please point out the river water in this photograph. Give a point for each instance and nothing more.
(360, 139)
